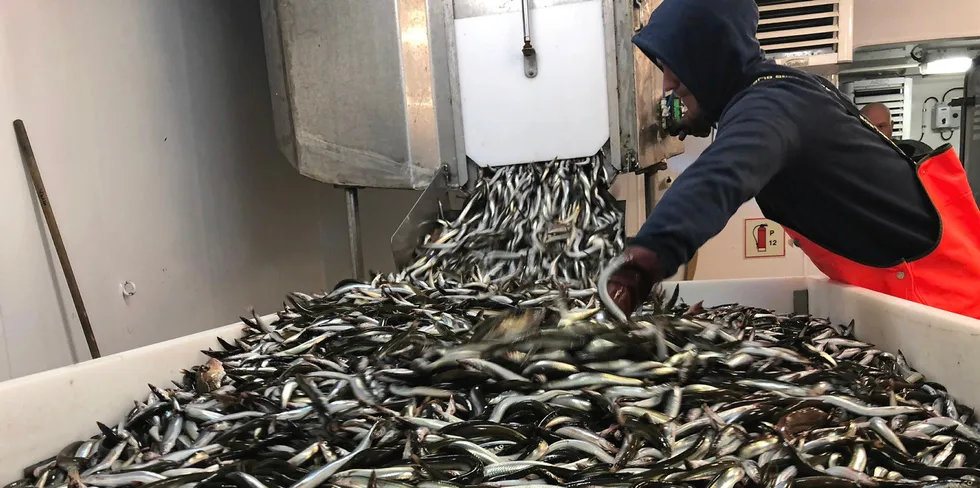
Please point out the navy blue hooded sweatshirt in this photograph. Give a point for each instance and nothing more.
(789, 142)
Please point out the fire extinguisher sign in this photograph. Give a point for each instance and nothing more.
(764, 239)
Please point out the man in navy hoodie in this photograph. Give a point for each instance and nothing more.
(789, 139)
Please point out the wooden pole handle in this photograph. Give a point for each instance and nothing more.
(27, 152)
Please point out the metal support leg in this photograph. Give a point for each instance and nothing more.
(354, 233)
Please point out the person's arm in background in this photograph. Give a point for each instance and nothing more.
(755, 139)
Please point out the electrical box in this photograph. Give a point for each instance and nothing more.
(942, 117)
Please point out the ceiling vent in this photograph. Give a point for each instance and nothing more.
(803, 33)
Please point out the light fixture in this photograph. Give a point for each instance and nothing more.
(946, 66)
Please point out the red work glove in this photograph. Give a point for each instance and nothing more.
(630, 285)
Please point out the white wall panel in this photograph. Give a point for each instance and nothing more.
(152, 127)
(882, 22)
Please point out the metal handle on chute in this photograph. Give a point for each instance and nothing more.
(530, 56)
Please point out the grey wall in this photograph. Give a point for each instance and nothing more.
(152, 126)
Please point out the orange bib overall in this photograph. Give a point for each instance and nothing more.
(949, 275)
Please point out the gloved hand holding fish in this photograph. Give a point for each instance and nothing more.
(627, 280)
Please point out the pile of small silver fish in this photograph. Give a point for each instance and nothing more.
(490, 362)
(384, 384)
(523, 225)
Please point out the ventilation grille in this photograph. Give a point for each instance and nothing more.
(895, 93)
(799, 28)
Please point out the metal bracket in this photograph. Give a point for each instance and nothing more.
(801, 302)
(530, 56)
(420, 220)
(530, 60)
